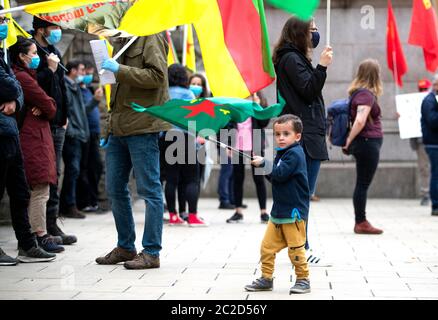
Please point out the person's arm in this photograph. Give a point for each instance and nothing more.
(280, 172)
(10, 90)
(359, 123)
(153, 74)
(35, 96)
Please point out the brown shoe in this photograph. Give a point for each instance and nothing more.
(366, 228)
(73, 213)
(116, 256)
(315, 198)
(143, 261)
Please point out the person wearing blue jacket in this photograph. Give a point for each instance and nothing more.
(429, 125)
(291, 194)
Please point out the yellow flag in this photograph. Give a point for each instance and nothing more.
(190, 49)
(14, 30)
(107, 87)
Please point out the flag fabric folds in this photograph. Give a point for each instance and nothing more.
(302, 9)
(232, 34)
(189, 48)
(210, 113)
(424, 32)
(172, 57)
(395, 56)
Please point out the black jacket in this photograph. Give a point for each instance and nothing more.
(429, 119)
(290, 186)
(301, 86)
(10, 90)
(53, 84)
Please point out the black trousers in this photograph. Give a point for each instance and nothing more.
(366, 151)
(13, 179)
(239, 178)
(87, 188)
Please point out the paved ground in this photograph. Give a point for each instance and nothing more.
(217, 262)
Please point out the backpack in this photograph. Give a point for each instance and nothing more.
(339, 121)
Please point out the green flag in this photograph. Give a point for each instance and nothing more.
(302, 9)
(210, 113)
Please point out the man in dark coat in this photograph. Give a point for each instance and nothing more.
(51, 78)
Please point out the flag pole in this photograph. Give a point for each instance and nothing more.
(394, 59)
(118, 54)
(10, 10)
(5, 50)
(184, 47)
(329, 17)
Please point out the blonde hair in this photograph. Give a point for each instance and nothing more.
(368, 77)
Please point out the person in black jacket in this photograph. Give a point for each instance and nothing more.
(300, 84)
(51, 79)
(429, 125)
(12, 176)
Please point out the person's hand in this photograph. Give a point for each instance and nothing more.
(257, 161)
(229, 153)
(8, 108)
(66, 125)
(347, 145)
(98, 94)
(36, 112)
(111, 65)
(326, 57)
(53, 61)
(398, 115)
(200, 140)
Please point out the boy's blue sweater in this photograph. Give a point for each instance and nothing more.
(290, 187)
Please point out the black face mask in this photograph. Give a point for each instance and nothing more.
(315, 38)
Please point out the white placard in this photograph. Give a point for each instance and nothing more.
(100, 53)
(409, 108)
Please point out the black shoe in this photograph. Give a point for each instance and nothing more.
(73, 213)
(435, 212)
(244, 206)
(6, 260)
(35, 254)
(228, 206)
(54, 230)
(236, 217)
(184, 216)
(49, 245)
(264, 218)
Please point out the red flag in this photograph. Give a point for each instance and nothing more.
(396, 58)
(424, 32)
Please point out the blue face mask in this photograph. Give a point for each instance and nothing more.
(197, 90)
(54, 37)
(34, 63)
(87, 79)
(315, 38)
(80, 79)
(3, 31)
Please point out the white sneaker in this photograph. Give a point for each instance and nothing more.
(317, 261)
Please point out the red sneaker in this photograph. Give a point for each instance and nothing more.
(194, 221)
(366, 228)
(175, 220)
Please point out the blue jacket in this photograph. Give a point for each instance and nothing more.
(429, 119)
(290, 187)
(93, 113)
(10, 91)
(77, 112)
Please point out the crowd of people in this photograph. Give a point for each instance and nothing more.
(49, 115)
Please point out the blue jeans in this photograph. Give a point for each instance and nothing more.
(433, 157)
(142, 154)
(313, 167)
(71, 154)
(225, 187)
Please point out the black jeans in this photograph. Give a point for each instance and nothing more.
(13, 179)
(90, 173)
(366, 151)
(239, 178)
(72, 155)
(58, 135)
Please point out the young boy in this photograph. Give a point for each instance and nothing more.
(290, 189)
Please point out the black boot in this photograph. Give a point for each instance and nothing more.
(54, 230)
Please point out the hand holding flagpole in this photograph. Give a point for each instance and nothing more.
(118, 54)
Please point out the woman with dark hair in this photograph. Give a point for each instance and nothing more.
(183, 175)
(366, 137)
(36, 139)
(198, 85)
(301, 84)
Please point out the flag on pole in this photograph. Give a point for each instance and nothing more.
(189, 47)
(424, 32)
(172, 58)
(14, 29)
(232, 34)
(395, 56)
(302, 9)
(210, 113)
